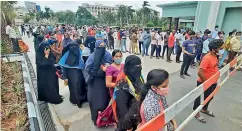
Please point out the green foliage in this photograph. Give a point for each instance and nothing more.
(125, 15)
(84, 17)
(7, 7)
(150, 24)
(107, 17)
(67, 17)
(39, 15)
(27, 18)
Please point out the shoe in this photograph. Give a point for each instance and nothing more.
(182, 76)
(162, 57)
(157, 58)
(168, 61)
(151, 57)
(177, 61)
(187, 74)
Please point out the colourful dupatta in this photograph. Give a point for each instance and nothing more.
(120, 79)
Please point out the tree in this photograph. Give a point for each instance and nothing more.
(129, 13)
(107, 18)
(61, 16)
(84, 17)
(145, 12)
(7, 15)
(39, 16)
(162, 22)
(150, 24)
(27, 18)
(47, 14)
(69, 17)
(122, 14)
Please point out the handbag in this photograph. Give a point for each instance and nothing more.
(106, 118)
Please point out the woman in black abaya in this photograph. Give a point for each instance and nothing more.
(72, 64)
(48, 85)
(129, 83)
(98, 94)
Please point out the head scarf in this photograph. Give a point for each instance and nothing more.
(42, 46)
(99, 57)
(40, 38)
(66, 41)
(132, 69)
(74, 54)
(98, 43)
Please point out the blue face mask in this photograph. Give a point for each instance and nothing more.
(117, 61)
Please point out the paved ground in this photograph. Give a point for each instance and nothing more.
(227, 105)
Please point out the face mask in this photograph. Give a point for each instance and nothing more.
(161, 91)
(117, 61)
(216, 52)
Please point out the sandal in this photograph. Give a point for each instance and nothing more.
(210, 113)
(200, 118)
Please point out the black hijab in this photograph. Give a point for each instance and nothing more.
(74, 54)
(41, 55)
(132, 70)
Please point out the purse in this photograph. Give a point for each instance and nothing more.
(106, 118)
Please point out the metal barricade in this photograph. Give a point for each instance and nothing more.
(168, 114)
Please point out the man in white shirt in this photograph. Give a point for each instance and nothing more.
(11, 33)
(180, 38)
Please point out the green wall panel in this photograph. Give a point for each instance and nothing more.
(232, 20)
(202, 15)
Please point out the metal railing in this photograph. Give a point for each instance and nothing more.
(168, 114)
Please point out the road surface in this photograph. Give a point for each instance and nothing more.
(227, 104)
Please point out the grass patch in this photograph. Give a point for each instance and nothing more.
(14, 115)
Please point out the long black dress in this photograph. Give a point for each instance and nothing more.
(48, 85)
(98, 93)
(72, 65)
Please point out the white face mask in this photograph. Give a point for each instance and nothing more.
(238, 36)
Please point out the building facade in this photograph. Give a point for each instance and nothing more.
(21, 11)
(31, 6)
(206, 14)
(38, 8)
(98, 8)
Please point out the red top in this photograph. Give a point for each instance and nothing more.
(209, 64)
(119, 37)
(47, 36)
(171, 40)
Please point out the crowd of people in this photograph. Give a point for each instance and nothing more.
(80, 57)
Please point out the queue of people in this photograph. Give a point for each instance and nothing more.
(119, 91)
(99, 78)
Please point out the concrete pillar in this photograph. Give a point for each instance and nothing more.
(170, 22)
(176, 23)
(212, 18)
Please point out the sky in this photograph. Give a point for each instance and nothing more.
(73, 5)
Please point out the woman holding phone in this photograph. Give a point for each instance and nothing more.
(48, 85)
